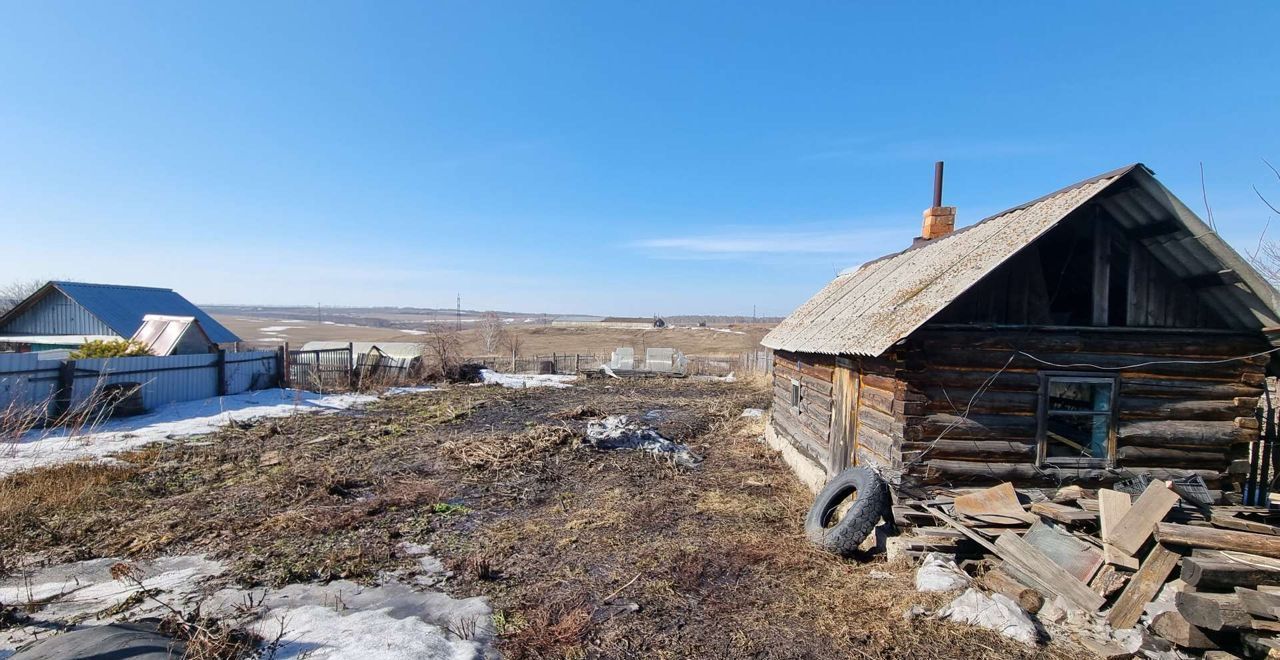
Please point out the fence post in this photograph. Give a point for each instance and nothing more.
(280, 356)
(351, 365)
(66, 382)
(221, 372)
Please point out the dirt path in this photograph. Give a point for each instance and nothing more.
(583, 553)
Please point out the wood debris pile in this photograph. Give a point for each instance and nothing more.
(1160, 571)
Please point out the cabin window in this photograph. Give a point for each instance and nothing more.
(795, 393)
(1076, 418)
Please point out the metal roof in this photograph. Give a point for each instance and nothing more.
(867, 310)
(121, 307)
(162, 334)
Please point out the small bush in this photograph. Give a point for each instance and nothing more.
(110, 348)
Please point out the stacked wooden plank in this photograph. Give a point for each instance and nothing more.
(1201, 577)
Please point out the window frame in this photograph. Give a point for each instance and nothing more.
(797, 394)
(1043, 413)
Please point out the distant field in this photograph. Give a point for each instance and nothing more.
(535, 339)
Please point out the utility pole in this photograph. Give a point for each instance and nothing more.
(753, 313)
(319, 314)
(459, 312)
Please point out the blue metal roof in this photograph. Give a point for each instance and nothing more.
(122, 307)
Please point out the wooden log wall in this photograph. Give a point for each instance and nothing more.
(808, 427)
(1171, 419)
(880, 417)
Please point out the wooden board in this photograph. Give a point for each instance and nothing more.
(1142, 587)
(1259, 604)
(998, 504)
(1052, 580)
(1150, 508)
(1112, 507)
(1212, 611)
(1079, 558)
(1062, 513)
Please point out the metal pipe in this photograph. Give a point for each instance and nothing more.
(937, 184)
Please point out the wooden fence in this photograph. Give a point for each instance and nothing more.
(572, 363)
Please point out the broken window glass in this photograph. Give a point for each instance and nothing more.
(1077, 418)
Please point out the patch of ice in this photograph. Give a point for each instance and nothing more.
(617, 432)
(278, 328)
(752, 412)
(175, 420)
(521, 381)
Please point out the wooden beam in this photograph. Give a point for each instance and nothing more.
(1174, 627)
(1101, 270)
(1219, 278)
(1212, 611)
(1142, 587)
(1154, 229)
(1213, 574)
(1218, 539)
(1259, 604)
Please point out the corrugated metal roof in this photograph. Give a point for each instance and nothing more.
(867, 310)
(163, 334)
(122, 307)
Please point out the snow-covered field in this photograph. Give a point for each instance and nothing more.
(175, 420)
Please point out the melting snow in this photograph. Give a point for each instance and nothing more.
(520, 381)
(175, 420)
(340, 619)
(617, 432)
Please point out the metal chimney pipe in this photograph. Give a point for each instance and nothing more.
(937, 184)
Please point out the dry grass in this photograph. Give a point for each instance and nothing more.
(583, 553)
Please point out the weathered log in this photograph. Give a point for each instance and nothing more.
(1183, 409)
(1212, 611)
(1218, 539)
(998, 581)
(1186, 389)
(1134, 455)
(974, 450)
(1174, 627)
(978, 427)
(1207, 574)
(1259, 604)
(1177, 433)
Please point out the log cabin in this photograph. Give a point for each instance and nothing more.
(1098, 333)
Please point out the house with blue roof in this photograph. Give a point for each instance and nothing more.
(68, 314)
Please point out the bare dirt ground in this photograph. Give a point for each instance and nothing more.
(583, 553)
(535, 339)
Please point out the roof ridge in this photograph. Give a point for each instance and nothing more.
(110, 286)
(1116, 173)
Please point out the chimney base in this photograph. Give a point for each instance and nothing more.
(938, 222)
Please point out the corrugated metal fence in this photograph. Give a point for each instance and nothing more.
(52, 386)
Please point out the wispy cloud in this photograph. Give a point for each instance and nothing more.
(742, 244)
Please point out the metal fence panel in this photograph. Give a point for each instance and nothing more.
(250, 370)
(26, 381)
(163, 379)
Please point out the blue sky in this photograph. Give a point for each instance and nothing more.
(607, 157)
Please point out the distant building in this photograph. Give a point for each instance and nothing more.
(68, 314)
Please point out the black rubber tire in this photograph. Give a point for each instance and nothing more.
(847, 534)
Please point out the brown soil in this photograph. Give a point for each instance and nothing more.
(583, 553)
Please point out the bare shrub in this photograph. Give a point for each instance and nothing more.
(491, 331)
(511, 345)
(442, 353)
(15, 292)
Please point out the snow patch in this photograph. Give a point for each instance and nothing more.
(418, 389)
(752, 412)
(175, 420)
(617, 432)
(521, 381)
(278, 328)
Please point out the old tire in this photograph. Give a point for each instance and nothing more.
(870, 502)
